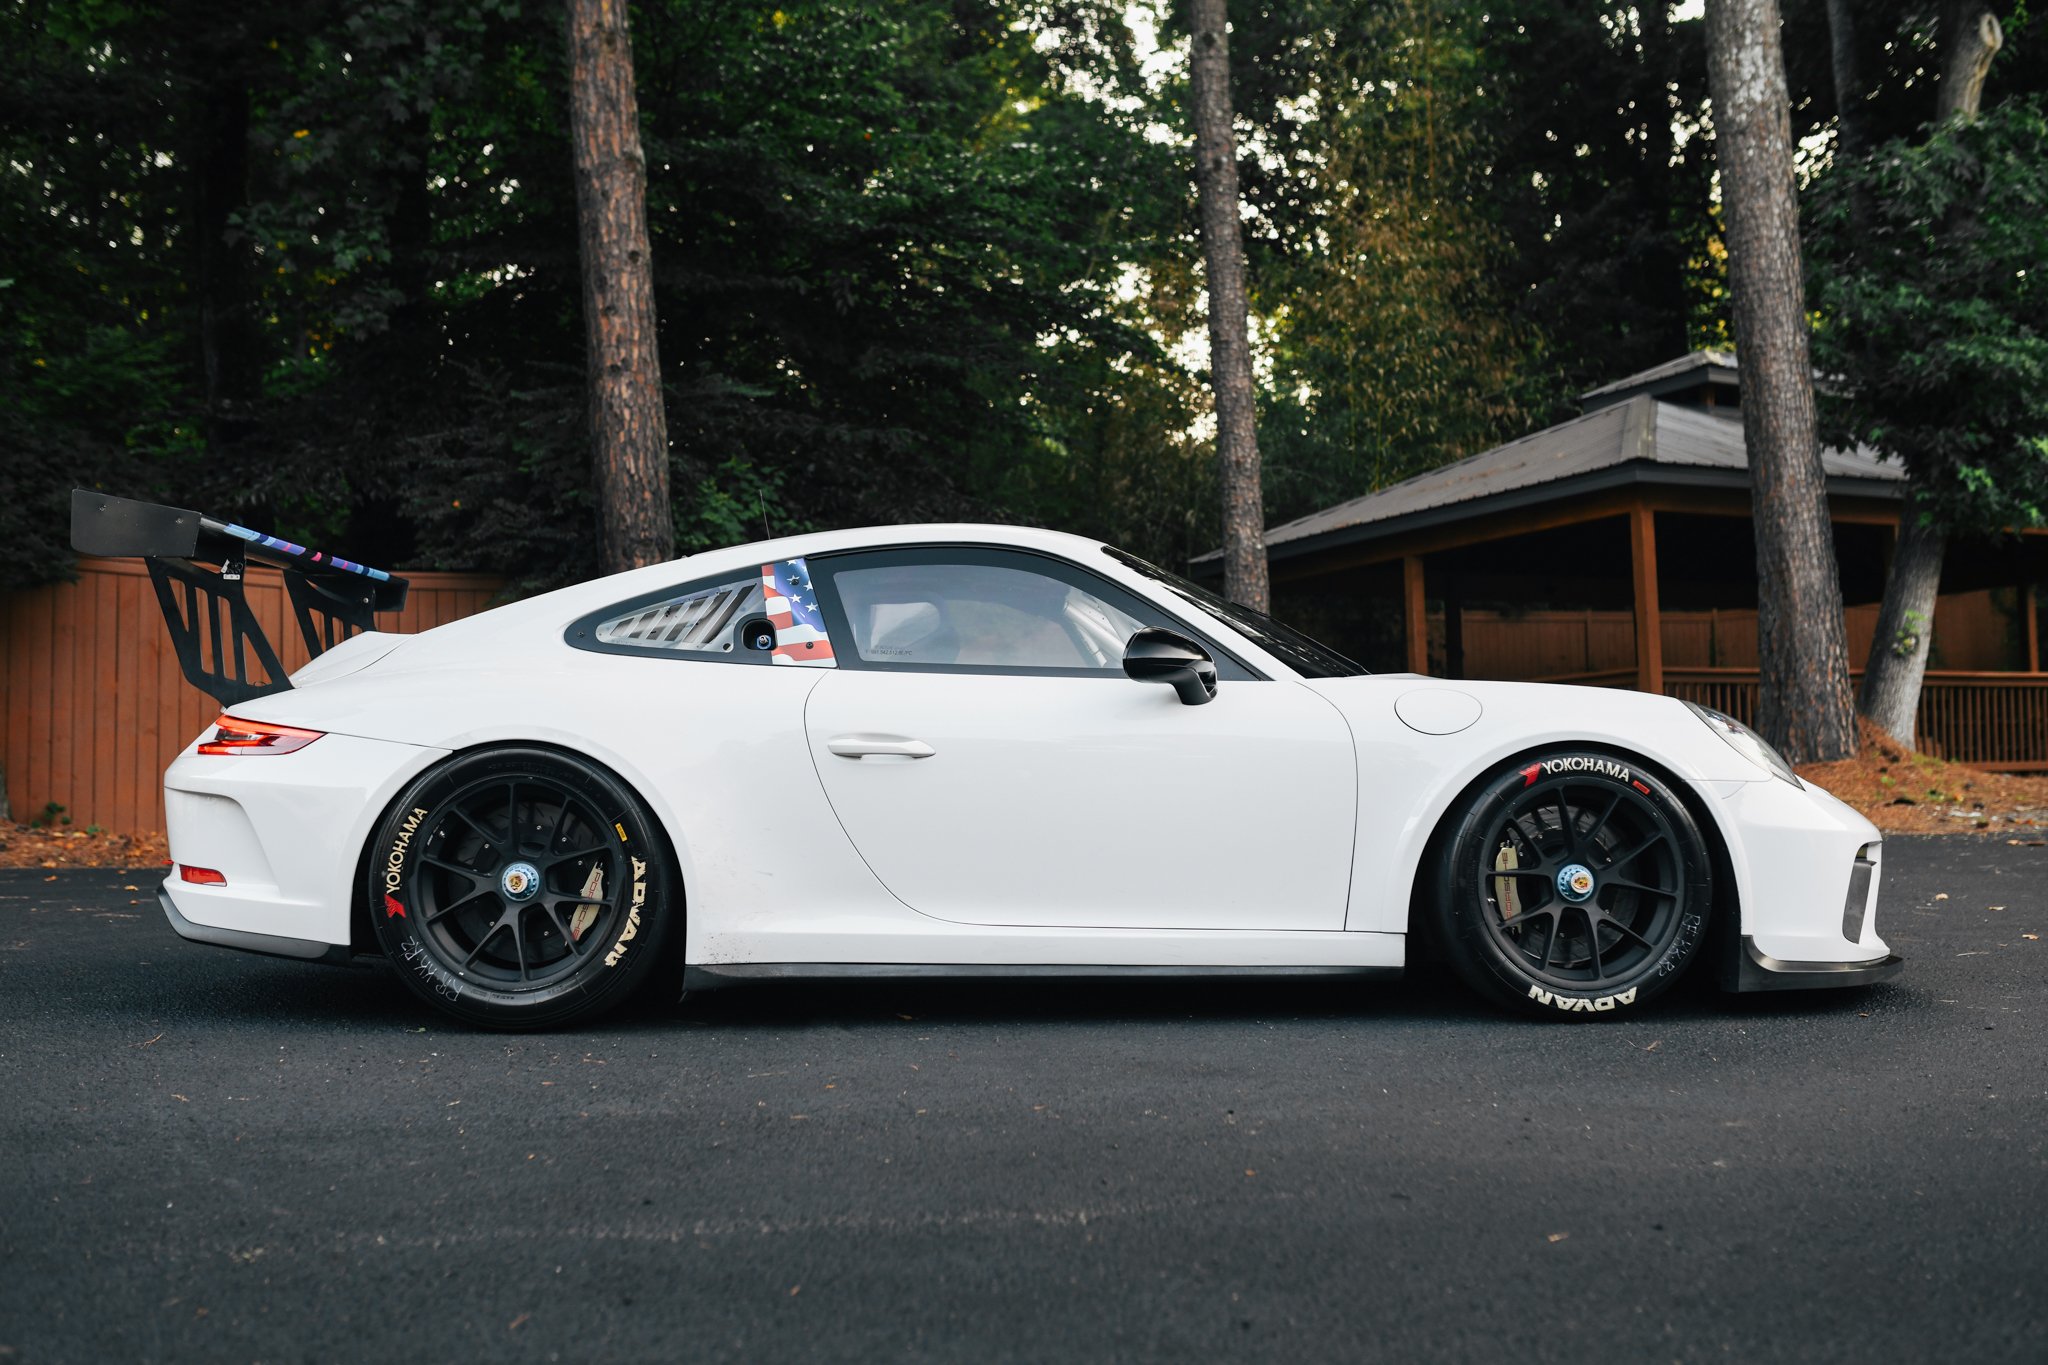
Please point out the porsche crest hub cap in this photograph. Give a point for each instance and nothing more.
(519, 881)
(1575, 882)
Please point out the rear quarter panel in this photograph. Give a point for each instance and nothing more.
(716, 750)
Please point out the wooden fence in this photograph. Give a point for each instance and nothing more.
(1990, 720)
(1973, 631)
(94, 705)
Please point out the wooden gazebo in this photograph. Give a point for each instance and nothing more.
(1615, 549)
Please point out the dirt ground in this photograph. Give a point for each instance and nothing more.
(62, 846)
(1902, 793)
(1909, 793)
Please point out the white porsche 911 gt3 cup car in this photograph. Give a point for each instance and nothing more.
(958, 750)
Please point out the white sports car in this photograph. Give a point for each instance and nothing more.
(951, 750)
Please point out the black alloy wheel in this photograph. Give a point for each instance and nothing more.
(1576, 883)
(521, 888)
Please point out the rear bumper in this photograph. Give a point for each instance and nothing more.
(271, 945)
(1756, 970)
(287, 832)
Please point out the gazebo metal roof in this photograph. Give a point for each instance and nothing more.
(1639, 440)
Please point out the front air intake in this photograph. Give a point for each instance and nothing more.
(1856, 909)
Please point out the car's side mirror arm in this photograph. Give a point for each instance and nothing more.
(1162, 656)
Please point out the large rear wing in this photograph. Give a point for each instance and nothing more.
(221, 645)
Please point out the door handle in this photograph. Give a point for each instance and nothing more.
(878, 746)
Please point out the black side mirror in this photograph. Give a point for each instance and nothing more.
(1161, 656)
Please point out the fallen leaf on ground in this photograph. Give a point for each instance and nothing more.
(1941, 895)
(1556, 1237)
(518, 1322)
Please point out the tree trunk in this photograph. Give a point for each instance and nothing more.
(1905, 621)
(1970, 37)
(1230, 359)
(628, 430)
(229, 358)
(1905, 626)
(1802, 645)
(1847, 67)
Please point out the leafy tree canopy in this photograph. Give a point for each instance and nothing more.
(313, 265)
(1929, 258)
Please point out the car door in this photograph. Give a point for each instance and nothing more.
(985, 753)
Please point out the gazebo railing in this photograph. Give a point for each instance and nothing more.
(1991, 720)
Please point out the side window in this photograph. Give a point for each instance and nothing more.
(979, 610)
(770, 616)
(701, 620)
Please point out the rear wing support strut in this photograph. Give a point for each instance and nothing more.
(222, 648)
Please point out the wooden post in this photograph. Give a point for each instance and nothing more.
(1454, 629)
(1415, 609)
(1642, 544)
(2029, 608)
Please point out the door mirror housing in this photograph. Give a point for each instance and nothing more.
(1162, 656)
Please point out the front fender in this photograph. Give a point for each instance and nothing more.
(1410, 781)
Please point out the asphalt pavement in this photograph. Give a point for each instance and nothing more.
(214, 1156)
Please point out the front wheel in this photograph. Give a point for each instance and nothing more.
(521, 888)
(1574, 883)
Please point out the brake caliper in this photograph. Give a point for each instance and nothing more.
(586, 915)
(1504, 891)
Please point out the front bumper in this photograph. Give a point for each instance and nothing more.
(1807, 873)
(1756, 970)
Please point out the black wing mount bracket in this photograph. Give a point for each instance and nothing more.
(221, 646)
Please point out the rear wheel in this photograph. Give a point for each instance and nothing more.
(522, 888)
(1575, 883)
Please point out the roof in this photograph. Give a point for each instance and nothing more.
(1712, 368)
(1639, 440)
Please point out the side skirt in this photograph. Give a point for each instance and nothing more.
(698, 978)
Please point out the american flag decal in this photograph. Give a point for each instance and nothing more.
(792, 605)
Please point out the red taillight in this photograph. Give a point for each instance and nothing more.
(202, 876)
(231, 736)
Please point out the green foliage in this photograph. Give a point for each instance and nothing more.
(1392, 350)
(1934, 312)
(315, 266)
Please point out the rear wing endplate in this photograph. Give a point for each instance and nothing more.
(221, 645)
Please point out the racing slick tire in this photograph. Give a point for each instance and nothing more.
(1573, 884)
(522, 887)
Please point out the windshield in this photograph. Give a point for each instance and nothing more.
(1300, 653)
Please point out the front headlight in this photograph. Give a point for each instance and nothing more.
(1747, 742)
